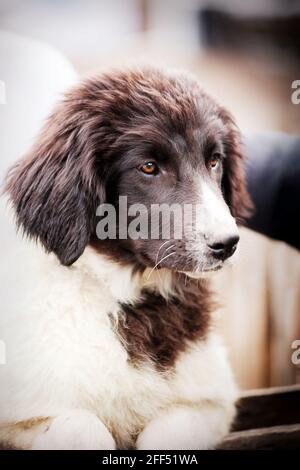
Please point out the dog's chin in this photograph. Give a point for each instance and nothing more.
(205, 272)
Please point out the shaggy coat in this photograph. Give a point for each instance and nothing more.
(104, 351)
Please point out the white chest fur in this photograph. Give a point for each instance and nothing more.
(63, 352)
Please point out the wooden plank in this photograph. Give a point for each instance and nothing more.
(274, 438)
(268, 407)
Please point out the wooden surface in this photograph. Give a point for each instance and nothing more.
(266, 419)
(269, 407)
(273, 438)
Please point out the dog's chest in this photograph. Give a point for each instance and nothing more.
(158, 329)
(124, 395)
(93, 362)
(71, 352)
(121, 355)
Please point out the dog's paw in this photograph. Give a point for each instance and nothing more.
(184, 428)
(75, 430)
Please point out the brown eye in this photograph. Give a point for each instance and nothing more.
(214, 162)
(150, 168)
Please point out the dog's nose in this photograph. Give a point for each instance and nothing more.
(222, 249)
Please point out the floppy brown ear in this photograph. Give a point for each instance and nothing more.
(55, 189)
(234, 178)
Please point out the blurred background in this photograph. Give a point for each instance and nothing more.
(247, 54)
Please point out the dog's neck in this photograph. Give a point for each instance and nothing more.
(155, 313)
(123, 281)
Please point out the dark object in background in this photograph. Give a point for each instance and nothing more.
(273, 176)
(274, 159)
(240, 32)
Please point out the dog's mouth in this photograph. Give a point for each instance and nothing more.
(197, 274)
(185, 265)
(213, 268)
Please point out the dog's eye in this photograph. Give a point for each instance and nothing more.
(215, 161)
(150, 168)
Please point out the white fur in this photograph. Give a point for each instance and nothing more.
(63, 355)
(75, 430)
(185, 428)
(213, 224)
(215, 215)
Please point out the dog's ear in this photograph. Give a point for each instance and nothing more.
(56, 188)
(234, 178)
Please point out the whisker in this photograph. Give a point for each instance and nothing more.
(160, 261)
(156, 258)
(171, 246)
(163, 244)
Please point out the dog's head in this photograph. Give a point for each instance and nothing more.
(152, 136)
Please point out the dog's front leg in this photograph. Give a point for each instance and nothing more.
(72, 430)
(187, 428)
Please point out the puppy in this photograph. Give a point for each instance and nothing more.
(103, 350)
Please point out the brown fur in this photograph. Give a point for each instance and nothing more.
(74, 165)
(9, 434)
(158, 330)
(83, 158)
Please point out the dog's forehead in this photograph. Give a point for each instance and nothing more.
(212, 130)
(209, 132)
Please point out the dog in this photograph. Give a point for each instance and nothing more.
(103, 350)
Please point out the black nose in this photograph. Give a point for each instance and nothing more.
(222, 249)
